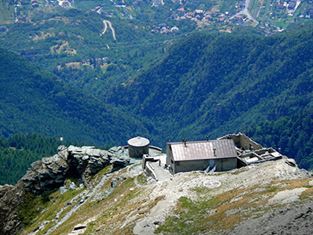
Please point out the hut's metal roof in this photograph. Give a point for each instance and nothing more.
(138, 142)
(202, 150)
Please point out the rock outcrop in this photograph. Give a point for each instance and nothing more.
(50, 173)
(47, 174)
(72, 161)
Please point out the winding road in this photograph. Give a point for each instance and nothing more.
(108, 24)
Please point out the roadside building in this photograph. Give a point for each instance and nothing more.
(214, 155)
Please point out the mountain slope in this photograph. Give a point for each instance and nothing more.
(128, 201)
(211, 84)
(33, 101)
(71, 38)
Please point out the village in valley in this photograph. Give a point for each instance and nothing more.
(265, 14)
(270, 16)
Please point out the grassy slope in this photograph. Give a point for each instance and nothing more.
(109, 213)
(129, 202)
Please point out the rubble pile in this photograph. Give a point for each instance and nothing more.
(251, 152)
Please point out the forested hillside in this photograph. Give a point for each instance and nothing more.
(34, 101)
(211, 84)
(18, 152)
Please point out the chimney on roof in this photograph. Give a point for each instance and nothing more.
(214, 152)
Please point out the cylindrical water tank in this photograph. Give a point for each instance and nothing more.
(138, 146)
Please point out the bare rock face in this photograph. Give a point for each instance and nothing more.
(292, 219)
(10, 199)
(46, 174)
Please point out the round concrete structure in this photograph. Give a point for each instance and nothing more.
(138, 146)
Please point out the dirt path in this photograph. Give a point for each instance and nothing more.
(172, 189)
(161, 173)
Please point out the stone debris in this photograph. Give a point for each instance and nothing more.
(40, 227)
(80, 226)
(250, 152)
(72, 186)
(63, 189)
(291, 162)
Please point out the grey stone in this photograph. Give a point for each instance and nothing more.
(86, 157)
(61, 148)
(52, 171)
(291, 162)
(72, 186)
(62, 190)
(93, 152)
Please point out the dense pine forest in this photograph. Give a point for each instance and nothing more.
(36, 101)
(19, 151)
